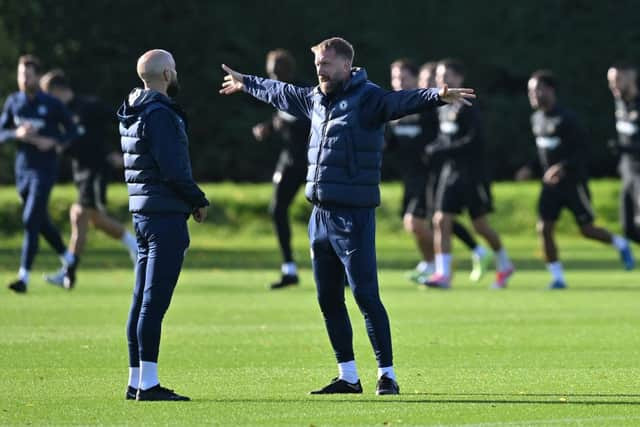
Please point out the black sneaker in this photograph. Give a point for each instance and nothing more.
(387, 386)
(131, 393)
(339, 386)
(159, 393)
(18, 287)
(285, 281)
(69, 276)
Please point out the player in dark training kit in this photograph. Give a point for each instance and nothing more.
(408, 137)
(90, 163)
(347, 113)
(41, 125)
(480, 257)
(561, 151)
(462, 183)
(623, 82)
(291, 169)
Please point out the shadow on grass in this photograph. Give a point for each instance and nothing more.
(589, 399)
(259, 259)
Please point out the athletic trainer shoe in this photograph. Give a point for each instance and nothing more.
(64, 278)
(480, 266)
(338, 386)
(387, 386)
(437, 280)
(18, 286)
(557, 285)
(419, 276)
(285, 281)
(131, 393)
(626, 256)
(159, 393)
(502, 277)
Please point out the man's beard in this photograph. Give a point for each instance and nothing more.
(173, 89)
(327, 86)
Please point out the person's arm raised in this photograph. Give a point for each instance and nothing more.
(283, 96)
(387, 105)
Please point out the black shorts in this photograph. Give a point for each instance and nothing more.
(92, 188)
(573, 195)
(414, 201)
(630, 201)
(458, 190)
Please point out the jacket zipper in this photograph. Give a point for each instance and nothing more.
(314, 196)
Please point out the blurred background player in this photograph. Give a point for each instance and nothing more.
(91, 161)
(40, 124)
(407, 137)
(623, 82)
(561, 151)
(480, 256)
(462, 182)
(291, 170)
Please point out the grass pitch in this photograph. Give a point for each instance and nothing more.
(247, 356)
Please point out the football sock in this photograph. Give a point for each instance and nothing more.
(289, 269)
(619, 242)
(423, 266)
(348, 372)
(148, 375)
(388, 371)
(443, 264)
(502, 260)
(134, 377)
(479, 251)
(23, 274)
(69, 259)
(555, 268)
(129, 241)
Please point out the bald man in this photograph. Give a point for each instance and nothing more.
(162, 196)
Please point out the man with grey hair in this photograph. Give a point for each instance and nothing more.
(347, 113)
(162, 196)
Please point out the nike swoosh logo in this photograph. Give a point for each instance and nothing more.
(350, 252)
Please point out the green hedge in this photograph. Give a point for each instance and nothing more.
(242, 208)
(501, 42)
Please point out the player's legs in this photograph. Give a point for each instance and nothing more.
(630, 209)
(168, 239)
(461, 232)
(106, 224)
(134, 311)
(414, 214)
(286, 183)
(329, 276)
(423, 236)
(550, 204)
(36, 221)
(352, 236)
(79, 219)
(579, 202)
(480, 205)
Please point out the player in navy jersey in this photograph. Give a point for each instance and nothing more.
(41, 125)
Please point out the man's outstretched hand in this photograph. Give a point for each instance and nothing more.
(451, 96)
(233, 81)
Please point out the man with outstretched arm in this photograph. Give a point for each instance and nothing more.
(347, 114)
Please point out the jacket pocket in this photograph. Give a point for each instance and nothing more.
(352, 154)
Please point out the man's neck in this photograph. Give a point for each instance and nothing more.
(158, 88)
(30, 93)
